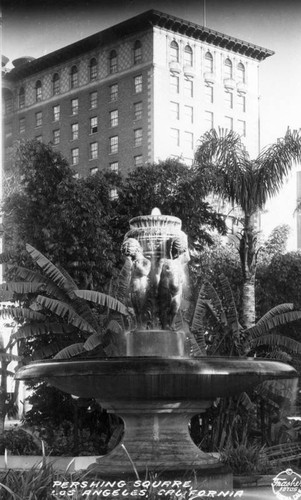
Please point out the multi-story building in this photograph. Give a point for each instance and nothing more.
(137, 92)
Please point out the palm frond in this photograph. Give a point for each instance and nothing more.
(93, 341)
(31, 276)
(103, 300)
(35, 329)
(279, 315)
(70, 351)
(123, 282)
(21, 287)
(275, 162)
(21, 313)
(275, 340)
(231, 311)
(49, 269)
(64, 310)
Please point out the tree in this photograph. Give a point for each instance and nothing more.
(67, 219)
(223, 160)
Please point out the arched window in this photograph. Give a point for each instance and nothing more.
(208, 62)
(21, 98)
(137, 52)
(38, 91)
(113, 60)
(174, 51)
(93, 69)
(74, 77)
(188, 59)
(241, 73)
(228, 68)
(56, 84)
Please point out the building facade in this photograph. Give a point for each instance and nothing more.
(138, 92)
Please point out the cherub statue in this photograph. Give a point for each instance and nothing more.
(139, 284)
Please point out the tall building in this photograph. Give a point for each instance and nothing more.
(137, 92)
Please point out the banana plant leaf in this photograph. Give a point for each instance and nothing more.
(70, 351)
(21, 287)
(275, 340)
(35, 329)
(21, 313)
(103, 300)
(64, 310)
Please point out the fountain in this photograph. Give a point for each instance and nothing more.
(156, 387)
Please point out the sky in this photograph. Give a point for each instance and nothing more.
(37, 27)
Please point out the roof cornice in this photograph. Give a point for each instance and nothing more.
(148, 19)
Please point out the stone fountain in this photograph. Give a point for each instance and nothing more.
(156, 387)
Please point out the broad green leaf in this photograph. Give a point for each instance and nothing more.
(21, 287)
(93, 341)
(70, 351)
(34, 329)
(103, 300)
(276, 340)
(21, 313)
(64, 310)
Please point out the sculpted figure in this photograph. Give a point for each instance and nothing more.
(171, 279)
(139, 285)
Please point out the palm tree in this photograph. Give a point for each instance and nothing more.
(248, 184)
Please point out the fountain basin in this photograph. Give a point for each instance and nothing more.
(153, 378)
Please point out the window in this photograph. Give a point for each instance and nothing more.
(93, 100)
(241, 127)
(21, 98)
(8, 105)
(74, 77)
(175, 137)
(138, 84)
(93, 150)
(93, 69)
(174, 51)
(209, 94)
(93, 125)
(74, 106)
(174, 110)
(188, 140)
(229, 100)
(228, 122)
(241, 101)
(174, 84)
(56, 84)
(56, 136)
(241, 73)
(114, 118)
(56, 113)
(22, 125)
(38, 91)
(188, 88)
(39, 119)
(114, 144)
(228, 68)
(188, 56)
(114, 92)
(138, 137)
(74, 131)
(138, 110)
(208, 62)
(137, 52)
(93, 170)
(113, 62)
(114, 167)
(188, 114)
(74, 156)
(138, 161)
(209, 120)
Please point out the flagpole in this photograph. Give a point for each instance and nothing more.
(204, 13)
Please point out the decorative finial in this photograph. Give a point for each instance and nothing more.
(156, 211)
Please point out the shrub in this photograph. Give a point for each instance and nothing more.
(18, 442)
(246, 459)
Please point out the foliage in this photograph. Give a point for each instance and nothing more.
(246, 184)
(174, 189)
(246, 459)
(18, 442)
